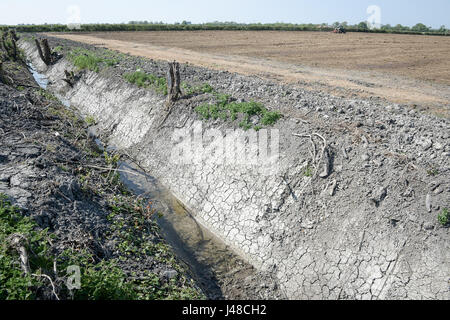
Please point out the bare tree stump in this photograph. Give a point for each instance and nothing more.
(173, 82)
(177, 79)
(44, 51)
(18, 242)
(13, 34)
(13, 46)
(70, 78)
(39, 50)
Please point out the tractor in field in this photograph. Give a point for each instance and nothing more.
(339, 29)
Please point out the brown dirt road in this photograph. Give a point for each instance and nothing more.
(407, 69)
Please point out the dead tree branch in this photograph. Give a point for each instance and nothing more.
(51, 282)
(324, 156)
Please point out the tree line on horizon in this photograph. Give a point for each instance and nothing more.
(419, 28)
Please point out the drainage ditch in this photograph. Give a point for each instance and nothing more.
(220, 272)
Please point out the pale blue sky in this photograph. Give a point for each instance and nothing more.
(407, 12)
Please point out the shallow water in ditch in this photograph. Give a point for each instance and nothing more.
(219, 272)
(215, 267)
(40, 79)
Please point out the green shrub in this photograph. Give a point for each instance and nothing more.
(270, 118)
(203, 111)
(104, 281)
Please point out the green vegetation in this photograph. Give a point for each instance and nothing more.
(132, 221)
(433, 172)
(100, 280)
(9, 49)
(46, 94)
(90, 120)
(104, 281)
(144, 80)
(111, 160)
(90, 60)
(199, 89)
(85, 59)
(308, 172)
(14, 283)
(112, 62)
(58, 49)
(226, 109)
(444, 217)
(270, 118)
(186, 26)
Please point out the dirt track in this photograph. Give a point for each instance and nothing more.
(401, 68)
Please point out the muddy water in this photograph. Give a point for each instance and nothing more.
(215, 267)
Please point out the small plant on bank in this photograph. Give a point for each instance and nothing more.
(308, 172)
(433, 172)
(270, 118)
(58, 49)
(112, 62)
(199, 89)
(225, 108)
(112, 160)
(444, 217)
(85, 59)
(90, 120)
(46, 94)
(144, 80)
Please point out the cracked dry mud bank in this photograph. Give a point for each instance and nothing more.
(362, 225)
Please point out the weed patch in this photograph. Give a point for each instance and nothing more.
(85, 59)
(90, 120)
(144, 80)
(14, 283)
(444, 217)
(199, 89)
(225, 109)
